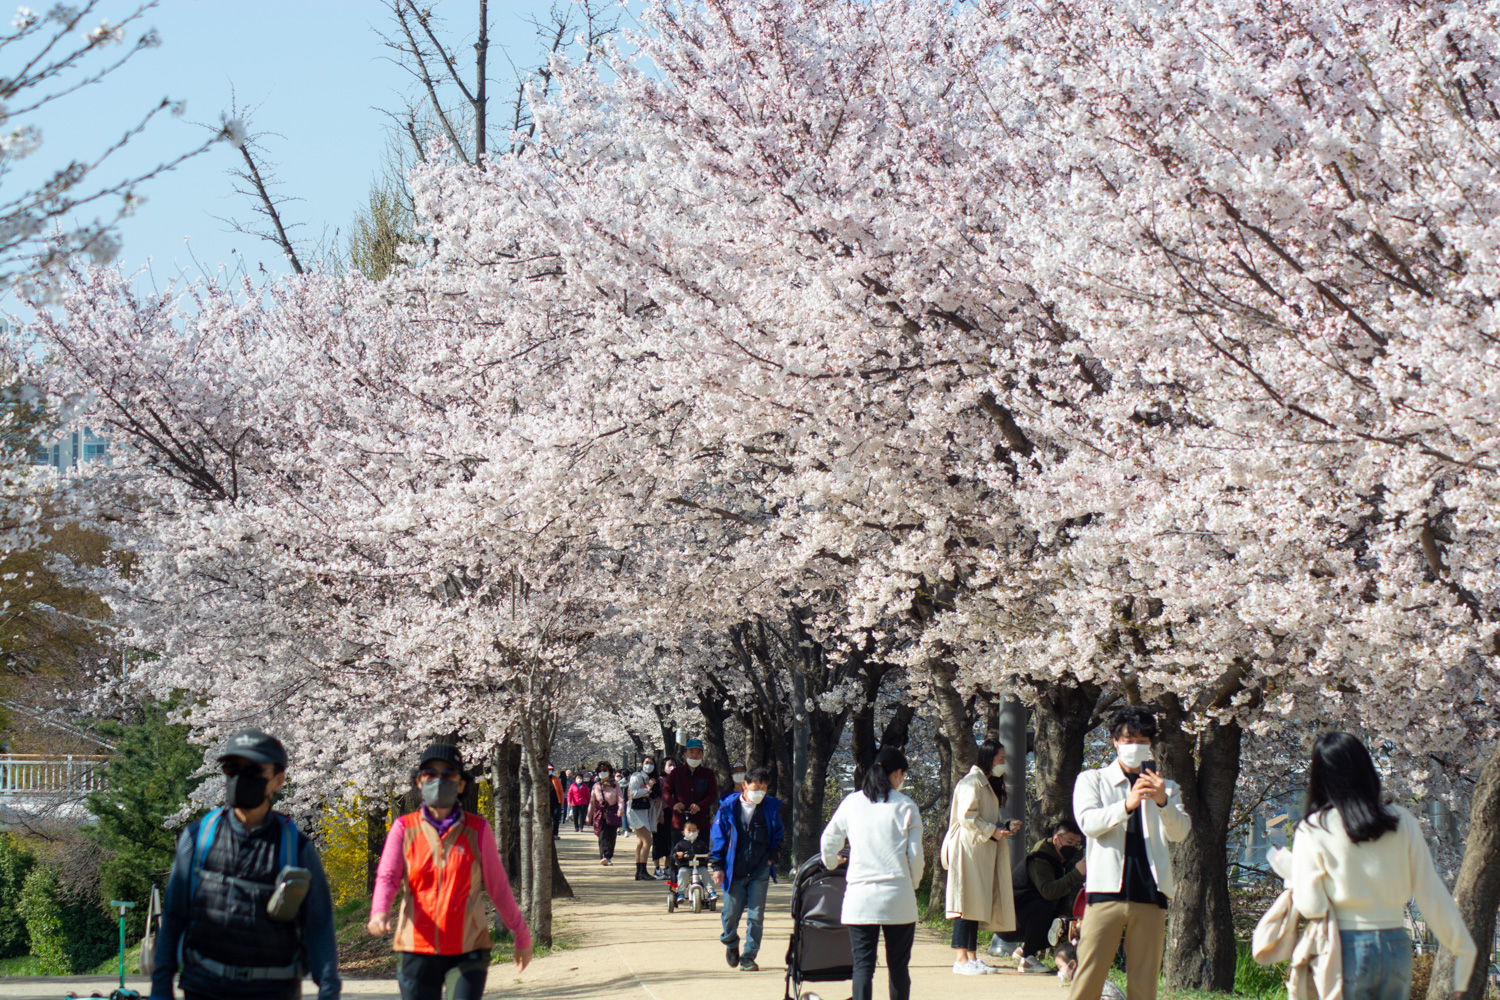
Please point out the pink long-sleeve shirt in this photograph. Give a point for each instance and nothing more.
(392, 873)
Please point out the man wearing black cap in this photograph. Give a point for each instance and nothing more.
(223, 889)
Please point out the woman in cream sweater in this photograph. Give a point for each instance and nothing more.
(1363, 859)
(883, 830)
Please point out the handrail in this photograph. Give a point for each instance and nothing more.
(37, 774)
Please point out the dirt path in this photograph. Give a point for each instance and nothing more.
(625, 946)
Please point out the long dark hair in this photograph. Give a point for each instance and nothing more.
(988, 751)
(1343, 777)
(877, 786)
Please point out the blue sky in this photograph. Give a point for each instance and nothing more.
(314, 71)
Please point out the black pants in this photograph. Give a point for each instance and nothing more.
(865, 939)
(557, 818)
(422, 977)
(966, 934)
(607, 836)
(661, 841)
(1035, 920)
(580, 813)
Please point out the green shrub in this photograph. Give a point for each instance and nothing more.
(1264, 982)
(15, 864)
(67, 936)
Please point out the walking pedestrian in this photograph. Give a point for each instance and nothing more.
(224, 926)
(643, 813)
(443, 860)
(578, 801)
(746, 836)
(1045, 882)
(1361, 859)
(974, 852)
(559, 801)
(1129, 812)
(883, 829)
(605, 806)
(662, 840)
(692, 789)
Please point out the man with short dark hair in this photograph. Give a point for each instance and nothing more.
(223, 877)
(746, 836)
(1128, 811)
(1045, 882)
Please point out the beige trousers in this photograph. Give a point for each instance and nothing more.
(1144, 927)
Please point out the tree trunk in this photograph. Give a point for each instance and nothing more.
(506, 807)
(824, 734)
(955, 720)
(1200, 926)
(715, 714)
(536, 747)
(1062, 718)
(561, 887)
(377, 821)
(937, 889)
(1477, 891)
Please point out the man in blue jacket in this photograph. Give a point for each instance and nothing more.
(746, 835)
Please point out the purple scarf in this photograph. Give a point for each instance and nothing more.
(446, 823)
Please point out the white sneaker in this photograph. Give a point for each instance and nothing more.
(966, 969)
(985, 969)
(1056, 931)
(1029, 964)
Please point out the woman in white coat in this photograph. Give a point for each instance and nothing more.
(883, 829)
(973, 851)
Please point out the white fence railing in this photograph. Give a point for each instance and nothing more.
(35, 775)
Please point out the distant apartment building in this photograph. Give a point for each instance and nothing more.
(79, 446)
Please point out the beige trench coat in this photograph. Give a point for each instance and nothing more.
(978, 866)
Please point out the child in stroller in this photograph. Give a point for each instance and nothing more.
(679, 864)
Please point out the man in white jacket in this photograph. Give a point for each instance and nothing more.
(1128, 812)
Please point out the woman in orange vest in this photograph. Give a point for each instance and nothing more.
(444, 861)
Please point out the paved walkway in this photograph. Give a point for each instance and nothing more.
(625, 946)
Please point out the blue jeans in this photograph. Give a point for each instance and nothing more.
(1377, 964)
(746, 895)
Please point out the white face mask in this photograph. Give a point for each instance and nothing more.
(690, 836)
(694, 761)
(754, 796)
(738, 776)
(998, 770)
(1133, 755)
(1065, 976)
(648, 768)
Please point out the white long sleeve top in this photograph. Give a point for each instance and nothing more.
(885, 857)
(1367, 885)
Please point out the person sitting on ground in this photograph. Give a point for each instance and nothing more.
(1045, 884)
(1066, 957)
(690, 844)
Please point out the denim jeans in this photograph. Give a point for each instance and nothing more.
(746, 895)
(1377, 964)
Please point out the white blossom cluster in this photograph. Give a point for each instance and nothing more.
(1148, 346)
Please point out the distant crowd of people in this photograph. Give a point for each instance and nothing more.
(247, 911)
(676, 813)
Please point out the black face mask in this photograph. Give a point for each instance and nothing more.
(1068, 853)
(245, 789)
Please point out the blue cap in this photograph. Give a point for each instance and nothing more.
(694, 745)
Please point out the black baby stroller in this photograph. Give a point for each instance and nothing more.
(820, 951)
